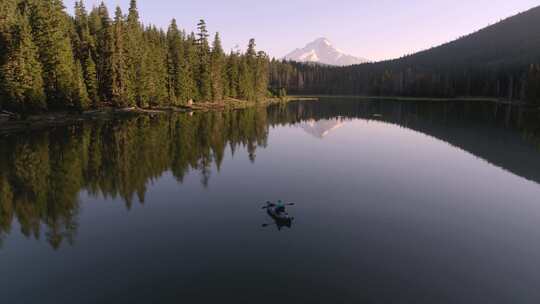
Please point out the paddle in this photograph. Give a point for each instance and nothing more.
(270, 205)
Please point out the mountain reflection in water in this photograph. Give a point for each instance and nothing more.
(321, 128)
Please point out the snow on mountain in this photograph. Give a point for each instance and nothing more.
(322, 51)
(321, 128)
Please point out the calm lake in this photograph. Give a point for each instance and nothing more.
(396, 202)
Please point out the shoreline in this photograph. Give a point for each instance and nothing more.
(425, 99)
(10, 124)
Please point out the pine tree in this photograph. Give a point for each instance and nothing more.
(134, 53)
(105, 46)
(175, 56)
(84, 51)
(90, 79)
(248, 67)
(246, 80)
(261, 76)
(217, 69)
(233, 74)
(119, 85)
(154, 82)
(7, 18)
(203, 73)
(251, 53)
(80, 97)
(189, 90)
(50, 28)
(21, 74)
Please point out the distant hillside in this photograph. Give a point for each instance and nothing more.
(500, 61)
(515, 40)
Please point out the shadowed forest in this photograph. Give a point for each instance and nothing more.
(501, 61)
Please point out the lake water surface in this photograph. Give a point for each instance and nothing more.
(411, 202)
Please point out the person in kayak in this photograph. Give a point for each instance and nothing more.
(280, 206)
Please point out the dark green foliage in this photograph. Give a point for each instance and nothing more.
(217, 71)
(105, 48)
(80, 96)
(154, 78)
(85, 51)
(90, 79)
(175, 64)
(50, 60)
(233, 74)
(246, 80)
(203, 72)
(189, 78)
(21, 81)
(119, 85)
(134, 51)
(51, 27)
(261, 76)
(253, 67)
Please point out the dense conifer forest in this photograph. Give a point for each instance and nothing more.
(50, 60)
(501, 61)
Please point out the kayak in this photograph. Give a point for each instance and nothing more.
(282, 217)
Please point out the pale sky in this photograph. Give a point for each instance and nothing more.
(374, 29)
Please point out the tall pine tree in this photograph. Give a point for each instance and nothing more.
(85, 51)
(119, 85)
(21, 74)
(233, 74)
(105, 47)
(217, 69)
(175, 58)
(189, 78)
(203, 73)
(134, 53)
(50, 27)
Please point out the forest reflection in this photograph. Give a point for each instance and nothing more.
(43, 172)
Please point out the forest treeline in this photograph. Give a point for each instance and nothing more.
(50, 60)
(501, 61)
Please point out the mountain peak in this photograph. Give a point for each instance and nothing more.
(322, 41)
(322, 51)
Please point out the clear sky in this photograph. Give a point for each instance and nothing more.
(374, 29)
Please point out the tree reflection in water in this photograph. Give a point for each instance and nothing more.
(43, 172)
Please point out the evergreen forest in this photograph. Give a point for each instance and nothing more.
(51, 60)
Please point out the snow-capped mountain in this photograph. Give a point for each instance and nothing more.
(322, 51)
